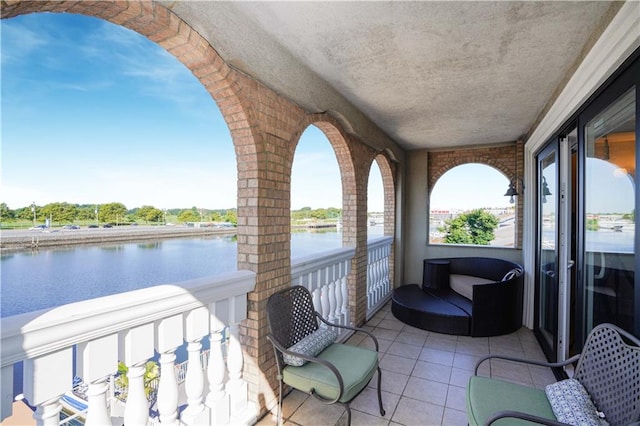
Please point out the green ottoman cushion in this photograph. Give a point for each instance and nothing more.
(355, 364)
(486, 396)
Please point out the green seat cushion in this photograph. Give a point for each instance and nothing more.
(355, 364)
(486, 396)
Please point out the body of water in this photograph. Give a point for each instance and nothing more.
(41, 279)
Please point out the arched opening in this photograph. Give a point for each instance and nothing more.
(375, 202)
(115, 132)
(467, 206)
(316, 195)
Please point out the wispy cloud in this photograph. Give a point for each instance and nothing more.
(18, 41)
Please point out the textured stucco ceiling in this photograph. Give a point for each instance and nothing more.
(429, 74)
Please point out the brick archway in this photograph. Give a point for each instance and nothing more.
(163, 27)
(506, 158)
(387, 170)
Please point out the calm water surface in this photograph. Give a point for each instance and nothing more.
(42, 279)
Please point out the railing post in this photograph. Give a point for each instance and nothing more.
(97, 361)
(98, 413)
(137, 348)
(197, 326)
(235, 361)
(218, 398)
(46, 379)
(48, 413)
(169, 338)
(136, 411)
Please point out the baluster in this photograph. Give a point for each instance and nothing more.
(136, 412)
(370, 283)
(345, 300)
(387, 282)
(97, 360)
(332, 278)
(217, 399)
(46, 379)
(137, 348)
(338, 293)
(324, 301)
(169, 338)
(197, 326)
(168, 389)
(378, 268)
(235, 361)
(48, 413)
(317, 303)
(98, 413)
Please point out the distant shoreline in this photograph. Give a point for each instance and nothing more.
(27, 240)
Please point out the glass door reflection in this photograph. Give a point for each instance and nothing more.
(609, 216)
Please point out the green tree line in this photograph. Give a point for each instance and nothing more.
(117, 213)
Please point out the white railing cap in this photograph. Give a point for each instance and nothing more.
(36, 333)
(305, 264)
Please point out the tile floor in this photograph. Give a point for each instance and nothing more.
(424, 376)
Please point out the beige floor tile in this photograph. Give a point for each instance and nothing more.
(456, 398)
(426, 390)
(415, 339)
(358, 418)
(397, 364)
(454, 418)
(431, 371)
(367, 402)
(460, 377)
(391, 324)
(440, 343)
(404, 350)
(466, 362)
(411, 412)
(391, 382)
(314, 413)
(292, 402)
(472, 348)
(437, 356)
(384, 333)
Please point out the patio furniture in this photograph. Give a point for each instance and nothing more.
(307, 356)
(469, 296)
(604, 386)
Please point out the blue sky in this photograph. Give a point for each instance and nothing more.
(95, 113)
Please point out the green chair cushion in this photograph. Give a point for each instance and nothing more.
(355, 364)
(486, 396)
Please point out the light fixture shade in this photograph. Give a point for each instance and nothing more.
(511, 191)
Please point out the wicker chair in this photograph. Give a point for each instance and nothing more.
(608, 368)
(335, 375)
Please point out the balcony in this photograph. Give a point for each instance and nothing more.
(190, 329)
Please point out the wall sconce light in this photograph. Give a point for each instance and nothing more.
(512, 191)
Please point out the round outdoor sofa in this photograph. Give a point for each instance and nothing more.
(469, 296)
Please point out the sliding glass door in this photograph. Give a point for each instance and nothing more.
(608, 285)
(587, 198)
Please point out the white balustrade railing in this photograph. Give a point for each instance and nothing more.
(325, 276)
(130, 327)
(379, 286)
